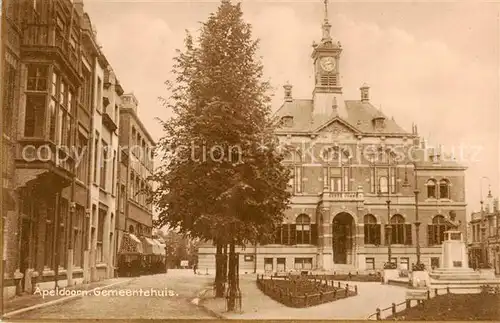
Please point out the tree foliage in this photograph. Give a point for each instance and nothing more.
(222, 177)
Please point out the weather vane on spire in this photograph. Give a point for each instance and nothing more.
(326, 25)
(326, 9)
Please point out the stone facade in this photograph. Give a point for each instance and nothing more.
(347, 160)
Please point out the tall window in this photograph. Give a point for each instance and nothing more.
(100, 235)
(431, 188)
(104, 164)
(444, 189)
(85, 97)
(37, 78)
(49, 233)
(122, 197)
(400, 231)
(383, 184)
(96, 156)
(79, 217)
(99, 94)
(113, 174)
(372, 230)
(373, 183)
(132, 186)
(63, 216)
(303, 228)
(436, 230)
(34, 122)
(82, 162)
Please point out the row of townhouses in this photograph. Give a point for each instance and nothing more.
(75, 157)
(364, 189)
(484, 235)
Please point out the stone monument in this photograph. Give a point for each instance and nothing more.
(454, 271)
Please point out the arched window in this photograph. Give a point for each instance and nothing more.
(383, 185)
(131, 229)
(436, 230)
(303, 229)
(431, 189)
(444, 189)
(400, 231)
(372, 230)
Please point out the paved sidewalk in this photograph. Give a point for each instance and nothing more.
(256, 305)
(24, 301)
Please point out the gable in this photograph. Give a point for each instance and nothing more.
(336, 130)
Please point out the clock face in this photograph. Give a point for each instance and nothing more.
(327, 63)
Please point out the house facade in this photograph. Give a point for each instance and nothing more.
(484, 235)
(355, 173)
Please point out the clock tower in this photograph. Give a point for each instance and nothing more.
(327, 94)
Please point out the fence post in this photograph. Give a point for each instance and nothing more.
(428, 294)
(393, 308)
(447, 289)
(356, 289)
(378, 314)
(305, 299)
(435, 292)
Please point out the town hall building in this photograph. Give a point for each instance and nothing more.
(365, 191)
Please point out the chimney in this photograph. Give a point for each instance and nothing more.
(288, 92)
(365, 93)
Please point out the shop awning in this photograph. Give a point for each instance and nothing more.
(148, 246)
(159, 247)
(130, 244)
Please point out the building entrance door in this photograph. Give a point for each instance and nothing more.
(342, 237)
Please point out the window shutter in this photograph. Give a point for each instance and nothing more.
(430, 235)
(293, 234)
(314, 234)
(408, 237)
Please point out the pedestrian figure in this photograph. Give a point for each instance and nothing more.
(195, 267)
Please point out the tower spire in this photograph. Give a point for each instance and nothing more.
(326, 25)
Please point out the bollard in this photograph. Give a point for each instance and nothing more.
(448, 289)
(378, 314)
(305, 299)
(435, 292)
(428, 294)
(393, 307)
(356, 289)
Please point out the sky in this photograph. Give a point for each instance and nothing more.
(436, 64)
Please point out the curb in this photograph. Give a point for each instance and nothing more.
(58, 301)
(198, 301)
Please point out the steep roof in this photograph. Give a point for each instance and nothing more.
(360, 116)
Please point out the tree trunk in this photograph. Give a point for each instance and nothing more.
(232, 290)
(224, 267)
(219, 279)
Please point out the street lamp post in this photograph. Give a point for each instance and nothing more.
(484, 254)
(416, 191)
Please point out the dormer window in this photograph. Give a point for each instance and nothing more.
(287, 121)
(378, 123)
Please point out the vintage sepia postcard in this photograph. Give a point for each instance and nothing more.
(250, 160)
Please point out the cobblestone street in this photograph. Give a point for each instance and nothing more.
(183, 284)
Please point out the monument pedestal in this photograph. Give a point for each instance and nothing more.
(455, 272)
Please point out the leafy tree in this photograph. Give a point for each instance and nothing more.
(222, 178)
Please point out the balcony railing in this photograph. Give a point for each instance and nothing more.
(344, 196)
(45, 35)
